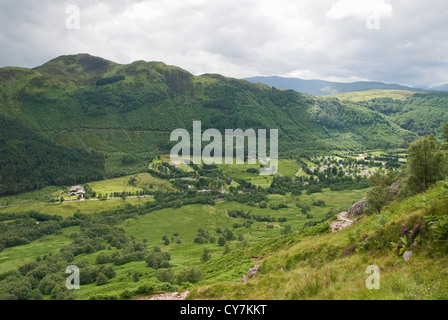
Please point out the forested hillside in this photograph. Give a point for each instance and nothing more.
(29, 161)
(128, 111)
(422, 113)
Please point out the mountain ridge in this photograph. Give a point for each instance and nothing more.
(322, 87)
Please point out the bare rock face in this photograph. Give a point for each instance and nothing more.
(251, 273)
(357, 208)
(394, 188)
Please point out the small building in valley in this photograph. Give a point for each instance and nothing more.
(77, 191)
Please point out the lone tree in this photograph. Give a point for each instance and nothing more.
(221, 241)
(206, 255)
(445, 135)
(426, 163)
(379, 195)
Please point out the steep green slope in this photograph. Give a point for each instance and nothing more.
(333, 265)
(422, 113)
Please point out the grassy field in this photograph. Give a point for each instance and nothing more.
(54, 193)
(66, 209)
(184, 222)
(122, 184)
(371, 94)
(286, 167)
(12, 258)
(179, 225)
(46, 194)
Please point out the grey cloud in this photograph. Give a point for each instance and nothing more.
(237, 38)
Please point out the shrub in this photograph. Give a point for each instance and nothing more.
(221, 241)
(101, 279)
(103, 258)
(165, 275)
(286, 229)
(319, 203)
(191, 275)
(206, 255)
(158, 260)
(228, 234)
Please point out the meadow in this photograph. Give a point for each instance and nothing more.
(179, 225)
(333, 266)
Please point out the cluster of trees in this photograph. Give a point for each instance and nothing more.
(29, 161)
(45, 275)
(166, 171)
(319, 203)
(333, 178)
(203, 236)
(21, 228)
(330, 214)
(226, 235)
(110, 80)
(284, 184)
(98, 232)
(251, 216)
(426, 164)
(101, 100)
(305, 209)
(422, 113)
(158, 259)
(182, 277)
(253, 195)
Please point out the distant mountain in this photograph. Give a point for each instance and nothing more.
(322, 88)
(441, 88)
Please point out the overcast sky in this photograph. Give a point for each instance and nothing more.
(392, 41)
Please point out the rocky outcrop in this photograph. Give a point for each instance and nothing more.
(394, 188)
(251, 273)
(357, 208)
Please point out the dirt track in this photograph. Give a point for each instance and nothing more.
(343, 222)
